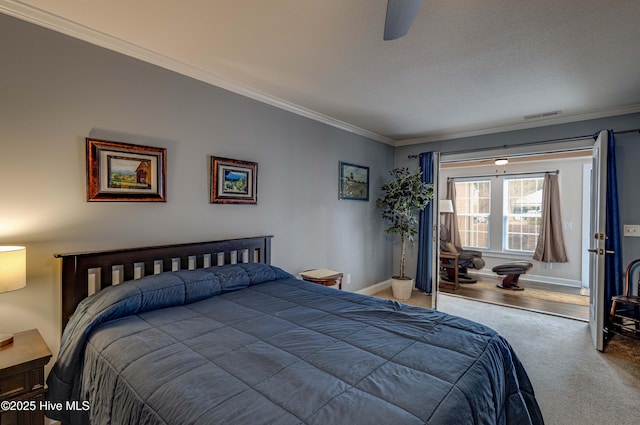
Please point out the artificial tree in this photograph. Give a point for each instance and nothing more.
(405, 196)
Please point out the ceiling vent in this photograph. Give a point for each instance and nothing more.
(542, 115)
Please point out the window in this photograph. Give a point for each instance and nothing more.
(522, 213)
(473, 207)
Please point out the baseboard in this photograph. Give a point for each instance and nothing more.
(376, 287)
(535, 278)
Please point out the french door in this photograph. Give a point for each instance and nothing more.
(597, 227)
(598, 238)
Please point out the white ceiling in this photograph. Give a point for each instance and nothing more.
(466, 67)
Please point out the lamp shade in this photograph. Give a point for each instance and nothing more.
(446, 206)
(13, 268)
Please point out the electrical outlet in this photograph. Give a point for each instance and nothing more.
(632, 230)
(347, 279)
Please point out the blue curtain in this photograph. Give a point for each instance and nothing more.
(425, 231)
(614, 274)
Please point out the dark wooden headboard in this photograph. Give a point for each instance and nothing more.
(86, 273)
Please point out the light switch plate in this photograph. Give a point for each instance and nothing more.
(632, 230)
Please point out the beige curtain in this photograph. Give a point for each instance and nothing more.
(451, 220)
(551, 247)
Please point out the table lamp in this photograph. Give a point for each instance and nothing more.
(446, 206)
(13, 275)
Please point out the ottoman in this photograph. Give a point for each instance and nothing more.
(511, 273)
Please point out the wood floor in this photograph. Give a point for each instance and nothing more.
(506, 298)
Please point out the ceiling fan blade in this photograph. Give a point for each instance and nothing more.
(400, 15)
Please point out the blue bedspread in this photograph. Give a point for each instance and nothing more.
(250, 344)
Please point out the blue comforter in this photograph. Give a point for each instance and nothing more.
(250, 344)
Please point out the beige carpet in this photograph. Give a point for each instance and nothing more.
(574, 383)
(619, 347)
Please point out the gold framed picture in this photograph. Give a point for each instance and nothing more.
(125, 172)
(233, 181)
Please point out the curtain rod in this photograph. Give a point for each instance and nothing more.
(563, 139)
(505, 174)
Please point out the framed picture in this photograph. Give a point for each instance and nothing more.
(233, 181)
(125, 172)
(354, 182)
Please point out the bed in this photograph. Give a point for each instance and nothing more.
(212, 333)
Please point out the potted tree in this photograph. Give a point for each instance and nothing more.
(405, 195)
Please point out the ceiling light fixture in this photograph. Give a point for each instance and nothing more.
(501, 161)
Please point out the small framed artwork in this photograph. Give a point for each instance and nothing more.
(233, 181)
(354, 182)
(125, 172)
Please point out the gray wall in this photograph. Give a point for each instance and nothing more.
(55, 91)
(627, 161)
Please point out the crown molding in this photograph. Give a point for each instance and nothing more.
(62, 25)
(65, 26)
(564, 119)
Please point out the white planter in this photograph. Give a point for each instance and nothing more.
(401, 288)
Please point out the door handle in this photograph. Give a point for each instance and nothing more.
(609, 252)
(594, 251)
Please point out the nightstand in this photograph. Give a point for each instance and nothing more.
(324, 277)
(22, 378)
